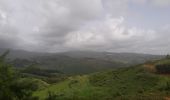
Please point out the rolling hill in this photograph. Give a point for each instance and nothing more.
(77, 62)
(132, 83)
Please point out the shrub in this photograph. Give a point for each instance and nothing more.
(10, 86)
(51, 96)
(163, 68)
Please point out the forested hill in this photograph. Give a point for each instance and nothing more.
(125, 57)
(76, 62)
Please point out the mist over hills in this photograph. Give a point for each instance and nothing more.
(23, 54)
(77, 62)
(130, 58)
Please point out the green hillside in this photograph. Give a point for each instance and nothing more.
(134, 83)
(76, 62)
(148, 81)
(70, 65)
(82, 62)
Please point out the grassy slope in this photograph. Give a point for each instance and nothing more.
(82, 89)
(127, 83)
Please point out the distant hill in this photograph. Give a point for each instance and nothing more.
(81, 65)
(21, 54)
(122, 57)
(130, 58)
(77, 62)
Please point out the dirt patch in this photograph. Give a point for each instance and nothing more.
(167, 98)
(150, 68)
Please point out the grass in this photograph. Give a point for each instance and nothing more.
(133, 83)
(67, 89)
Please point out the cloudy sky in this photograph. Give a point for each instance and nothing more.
(141, 26)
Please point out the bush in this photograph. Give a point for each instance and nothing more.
(51, 96)
(10, 86)
(163, 68)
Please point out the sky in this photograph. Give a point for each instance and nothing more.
(140, 26)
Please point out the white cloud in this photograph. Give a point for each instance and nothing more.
(111, 31)
(53, 25)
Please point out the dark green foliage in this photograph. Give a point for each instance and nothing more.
(48, 75)
(72, 82)
(54, 80)
(41, 72)
(163, 68)
(51, 96)
(7, 78)
(165, 86)
(11, 88)
(24, 88)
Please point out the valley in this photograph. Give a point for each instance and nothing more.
(89, 77)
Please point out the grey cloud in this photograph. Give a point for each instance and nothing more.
(116, 7)
(58, 25)
(155, 3)
(8, 37)
(161, 3)
(54, 19)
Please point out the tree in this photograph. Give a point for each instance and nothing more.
(11, 86)
(7, 77)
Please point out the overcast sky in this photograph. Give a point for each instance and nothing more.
(141, 26)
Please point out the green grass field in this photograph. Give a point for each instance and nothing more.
(132, 83)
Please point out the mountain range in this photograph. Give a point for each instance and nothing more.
(77, 62)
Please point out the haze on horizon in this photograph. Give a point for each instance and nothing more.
(141, 26)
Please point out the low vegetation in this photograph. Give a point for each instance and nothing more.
(149, 81)
(133, 83)
(12, 85)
